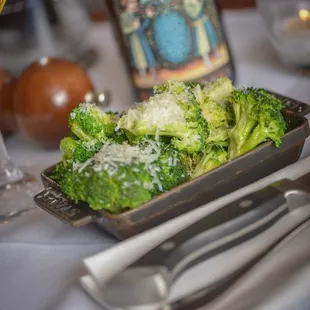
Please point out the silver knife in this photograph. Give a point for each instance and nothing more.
(145, 284)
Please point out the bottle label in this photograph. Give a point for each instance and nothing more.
(172, 40)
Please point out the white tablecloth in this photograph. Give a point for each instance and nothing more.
(40, 257)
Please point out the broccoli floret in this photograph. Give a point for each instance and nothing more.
(67, 147)
(172, 87)
(214, 156)
(118, 136)
(78, 150)
(258, 119)
(172, 111)
(135, 183)
(116, 178)
(85, 150)
(217, 115)
(72, 183)
(97, 189)
(127, 188)
(88, 122)
(169, 169)
(217, 121)
(121, 176)
(213, 113)
(190, 161)
(219, 89)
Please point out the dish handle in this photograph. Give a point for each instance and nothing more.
(56, 204)
(296, 106)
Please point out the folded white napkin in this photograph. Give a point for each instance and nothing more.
(103, 266)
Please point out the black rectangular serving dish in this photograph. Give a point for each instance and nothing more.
(227, 178)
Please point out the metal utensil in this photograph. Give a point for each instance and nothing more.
(200, 299)
(146, 283)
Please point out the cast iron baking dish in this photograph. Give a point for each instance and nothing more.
(229, 177)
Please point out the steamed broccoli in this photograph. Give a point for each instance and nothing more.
(169, 169)
(173, 87)
(89, 123)
(217, 121)
(190, 161)
(123, 176)
(126, 189)
(219, 89)
(212, 99)
(130, 186)
(214, 156)
(78, 150)
(119, 162)
(72, 183)
(116, 178)
(258, 119)
(172, 111)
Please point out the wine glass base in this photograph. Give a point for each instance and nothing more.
(18, 196)
(9, 173)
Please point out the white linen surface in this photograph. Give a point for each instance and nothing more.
(41, 258)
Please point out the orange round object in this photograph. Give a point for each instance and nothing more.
(45, 94)
(7, 120)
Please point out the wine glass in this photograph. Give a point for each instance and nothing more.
(17, 188)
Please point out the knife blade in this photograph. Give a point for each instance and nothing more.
(146, 283)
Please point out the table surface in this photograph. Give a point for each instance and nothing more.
(40, 257)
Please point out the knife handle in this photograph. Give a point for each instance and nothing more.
(217, 232)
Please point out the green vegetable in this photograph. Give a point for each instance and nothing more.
(78, 150)
(171, 169)
(214, 156)
(117, 178)
(219, 90)
(173, 112)
(258, 119)
(102, 190)
(89, 123)
(117, 162)
(215, 109)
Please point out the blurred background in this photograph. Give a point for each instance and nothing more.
(55, 54)
(236, 4)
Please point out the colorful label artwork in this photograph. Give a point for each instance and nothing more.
(172, 39)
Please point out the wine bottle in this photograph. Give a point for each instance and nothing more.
(163, 40)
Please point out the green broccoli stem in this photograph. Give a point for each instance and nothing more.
(206, 164)
(79, 132)
(257, 137)
(67, 147)
(239, 134)
(218, 136)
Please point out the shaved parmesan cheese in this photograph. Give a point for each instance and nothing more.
(86, 106)
(81, 166)
(127, 154)
(159, 111)
(90, 144)
(72, 115)
(155, 177)
(111, 156)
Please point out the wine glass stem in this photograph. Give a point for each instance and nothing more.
(3, 152)
(9, 172)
